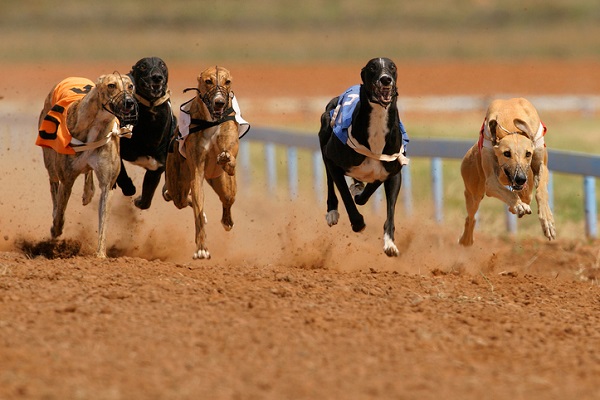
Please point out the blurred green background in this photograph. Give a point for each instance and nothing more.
(294, 31)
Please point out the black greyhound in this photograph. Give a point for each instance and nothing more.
(148, 144)
(361, 136)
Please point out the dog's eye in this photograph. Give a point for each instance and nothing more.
(228, 82)
(506, 154)
(130, 87)
(112, 86)
(528, 154)
(208, 81)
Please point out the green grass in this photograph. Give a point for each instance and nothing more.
(283, 31)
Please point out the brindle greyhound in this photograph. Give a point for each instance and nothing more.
(91, 114)
(211, 148)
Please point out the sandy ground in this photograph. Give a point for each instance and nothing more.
(287, 308)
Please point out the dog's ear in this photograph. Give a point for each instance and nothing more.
(100, 79)
(363, 73)
(492, 126)
(523, 126)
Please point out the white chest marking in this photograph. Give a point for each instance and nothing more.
(372, 170)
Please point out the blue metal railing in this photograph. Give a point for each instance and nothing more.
(586, 165)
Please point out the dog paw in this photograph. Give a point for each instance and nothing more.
(356, 189)
(465, 241)
(332, 217)
(227, 223)
(87, 197)
(359, 227)
(141, 203)
(166, 195)
(201, 254)
(227, 162)
(548, 228)
(389, 247)
(520, 209)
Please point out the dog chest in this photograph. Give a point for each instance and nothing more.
(370, 169)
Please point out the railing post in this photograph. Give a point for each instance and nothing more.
(317, 161)
(511, 222)
(378, 198)
(591, 216)
(271, 164)
(244, 156)
(292, 167)
(437, 188)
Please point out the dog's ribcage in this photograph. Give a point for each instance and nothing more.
(372, 170)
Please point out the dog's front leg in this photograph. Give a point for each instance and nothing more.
(196, 160)
(151, 181)
(392, 189)
(199, 219)
(227, 145)
(493, 187)
(103, 209)
(544, 212)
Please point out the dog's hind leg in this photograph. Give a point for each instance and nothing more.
(88, 188)
(472, 201)
(362, 196)
(63, 193)
(177, 180)
(333, 215)
(356, 219)
(392, 188)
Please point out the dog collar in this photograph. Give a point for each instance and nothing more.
(155, 103)
(202, 124)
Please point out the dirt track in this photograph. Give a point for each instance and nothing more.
(288, 308)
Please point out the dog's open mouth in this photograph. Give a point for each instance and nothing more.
(157, 90)
(384, 94)
(218, 108)
(125, 108)
(515, 187)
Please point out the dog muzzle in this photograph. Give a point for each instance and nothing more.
(124, 107)
(384, 94)
(217, 101)
(518, 181)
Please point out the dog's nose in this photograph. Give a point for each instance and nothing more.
(520, 179)
(219, 103)
(129, 104)
(156, 78)
(385, 80)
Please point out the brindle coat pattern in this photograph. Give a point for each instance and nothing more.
(88, 120)
(210, 155)
(511, 169)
